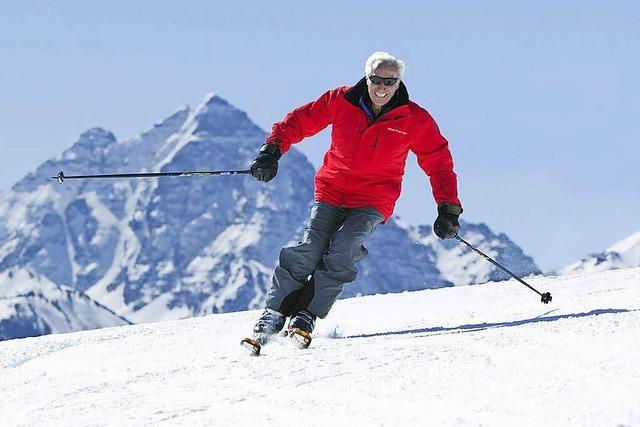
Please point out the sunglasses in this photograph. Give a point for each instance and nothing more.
(387, 81)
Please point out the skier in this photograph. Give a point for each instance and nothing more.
(375, 125)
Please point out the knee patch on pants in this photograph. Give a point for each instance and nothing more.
(300, 260)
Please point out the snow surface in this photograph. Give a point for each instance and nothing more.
(484, 355)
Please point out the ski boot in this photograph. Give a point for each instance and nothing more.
(300, 328)
(269, 324)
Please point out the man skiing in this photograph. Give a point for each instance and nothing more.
(374, 126)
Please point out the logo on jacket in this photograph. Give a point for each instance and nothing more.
(401, 132)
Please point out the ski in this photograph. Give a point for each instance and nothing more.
(255, 344)
(301, 338)
(252, 345)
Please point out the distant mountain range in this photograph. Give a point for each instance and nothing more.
(623, 254)
(120, 251)
(31, 305)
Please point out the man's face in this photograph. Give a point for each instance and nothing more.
(379, 93)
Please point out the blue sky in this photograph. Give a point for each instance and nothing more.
(540, 100)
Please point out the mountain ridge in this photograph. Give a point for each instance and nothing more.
(623, 254)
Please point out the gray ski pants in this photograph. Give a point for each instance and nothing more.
(312, 274)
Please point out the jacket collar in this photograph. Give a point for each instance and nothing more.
(359, 91)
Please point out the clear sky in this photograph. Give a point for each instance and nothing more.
(540, 100)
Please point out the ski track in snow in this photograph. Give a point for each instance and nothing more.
(483, 355)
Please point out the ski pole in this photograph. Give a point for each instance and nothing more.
(61, 176)
(546, 297)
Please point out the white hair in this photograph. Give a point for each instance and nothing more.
(378, 59)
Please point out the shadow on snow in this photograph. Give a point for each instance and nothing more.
(439, 330)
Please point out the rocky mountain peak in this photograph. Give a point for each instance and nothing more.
(216, 117)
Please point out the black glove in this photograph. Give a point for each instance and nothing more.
(446, 225)
(265, 167)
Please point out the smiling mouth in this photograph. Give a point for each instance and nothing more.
(380, 95)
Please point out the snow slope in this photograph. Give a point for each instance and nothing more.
(484, 355)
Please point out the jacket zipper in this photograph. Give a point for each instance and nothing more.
(375, 143)
(348, 176)
(373, 147)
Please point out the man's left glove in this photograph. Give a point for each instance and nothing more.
(265, 167)
(446, 225)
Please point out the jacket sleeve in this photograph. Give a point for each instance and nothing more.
(434, 157)
(304, 121)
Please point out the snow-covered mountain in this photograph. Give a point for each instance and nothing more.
(463, 267)
(488, 355)
(623, 254)
(171, 248)
(31, 305)
(164, 248)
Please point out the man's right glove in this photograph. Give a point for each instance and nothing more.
(446, 225)
(265, 167)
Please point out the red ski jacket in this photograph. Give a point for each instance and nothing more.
(365, 163)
